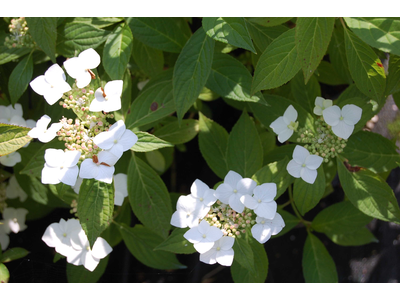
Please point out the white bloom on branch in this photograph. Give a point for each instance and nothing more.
(14, 219)
(83, 255)
(221, 252)
(203, 194)
(234, 187)
(42, 133)
(60, 166)
(58, 235)
(188, 212)
(117, 139)
(51, 85)
(342, 120)
(100, 167)
(11, 159)
(321, 104)
(304, 164)
(285, 125)
(262, 201)
(109, 98)
(14, 190)
(79, 67)
(10, 115)
(265, 228)
(203, 236)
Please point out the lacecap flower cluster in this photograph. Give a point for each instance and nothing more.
(235, 208)
(334, 126)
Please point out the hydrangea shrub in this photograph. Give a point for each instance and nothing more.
(93, 111)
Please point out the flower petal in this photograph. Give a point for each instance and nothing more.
(300, 154)
(101, 248)
(198, 188)
(266, 210)
(279, 125)
(193, 235)
(105, 140)
(88, 169)
(246, 186)
(277, 224)
(68, 175)
(234, 202)
(209, 257)
(285, 135)
(225, 257)
(50, 175)
(294, 168)
(203, 247)
(71, 158)
(351, 114)
(54, 157)
(331, 115)
(313, 162)
(90, 59)
(223, 192)
(232, 178)
(249, 201)
(343, 130)
(290, 114)
(266, 191)
(261, 233)
(127, 140)
(308, 175)
(105, 174)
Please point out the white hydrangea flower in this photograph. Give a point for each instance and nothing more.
(265, 228)
(203, 236)
(4, 238)
(58, 235)
(221, 252)
(285, 125)
(10, 160)
(14, 219)
(342, 120)
(77, 185)
(43, 133)
(262, 201)
(117, 139)
(234, 187)
(304, 164)
(85, 256)
(100, 167)
(52, 85)
(14, 190)
(121, 188)
(108, 99)
(10, 115)
(188, 212)
(79, 67)
(60, 166)
(321, 104)
(203, 194)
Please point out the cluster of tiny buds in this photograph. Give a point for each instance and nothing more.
(324, 143)
(74, 208)
(229, 221)
(77, 137)
(19, 35)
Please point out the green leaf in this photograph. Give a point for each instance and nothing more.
(20, 78)
(371, 150)
(153, 103)
(280, 153)
(337, 54)
(178, 134)
(312, 40)
(117, 51)
(369, 193)
(98, 22)
(358, 237)
(213, 141)
(176, 243)
(305, 94)
(269, 22)
(95, 207)
(306, 196)
(149, 60)
(79, 274)
(229, 31)
(243, 275)
(64, 192)
(149, 197)
(148, 142)
(12, 138)
(141, 243)
(278, 63)
(291, 222)
(393, 78)
(231, 79)
(244, 152)
(76, 37)
(364, 66)
(244, 255)
(380, 33)
(318, 265)
(13, 254)
(191, 71)
(263, 36)
(44, 33)
(7, 55)
(4, 274)
(275, 172)
(327, 74)
(340, 217)
(160, 33)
